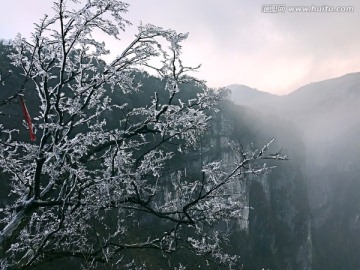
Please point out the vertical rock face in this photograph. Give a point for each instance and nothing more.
(334, 190)
(279, 222)
(277, 231)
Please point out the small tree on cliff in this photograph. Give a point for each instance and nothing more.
(77, 172)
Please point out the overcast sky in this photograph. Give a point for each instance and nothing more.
(235, 41)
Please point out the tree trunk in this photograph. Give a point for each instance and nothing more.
(14, 227)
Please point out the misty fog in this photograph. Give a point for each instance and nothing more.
(325, 117)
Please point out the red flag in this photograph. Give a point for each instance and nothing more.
(27, 118)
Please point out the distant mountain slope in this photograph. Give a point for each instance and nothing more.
(244, 95)
(345, 84)
(306, 97)
(325, 109)
(321, 111)
(325, 96)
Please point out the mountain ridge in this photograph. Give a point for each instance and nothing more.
(247, 91)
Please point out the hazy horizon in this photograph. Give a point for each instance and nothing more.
(294, 90)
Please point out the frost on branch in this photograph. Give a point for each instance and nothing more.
(91, 188)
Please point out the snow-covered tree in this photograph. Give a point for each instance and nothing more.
(80, 188)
